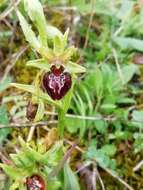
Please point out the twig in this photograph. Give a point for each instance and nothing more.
(118, 65)
(138, 166)
(38, 124)
(82, 167)
(113, 174)
(16, 57)
(84, 117)
(21, 125)
(94, 178)
(31, 132)
(100, 180)
(77, 147)
(67, 8)
(9, 10)
(90, 23)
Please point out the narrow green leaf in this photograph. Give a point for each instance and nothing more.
(36, 14)
(40, 111)
(58, 45)
(29, 34)
(70, 179)
(75, 68)
(98, 82)
(65, 38)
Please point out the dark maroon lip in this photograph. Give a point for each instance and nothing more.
(35, 182)
(57, 82)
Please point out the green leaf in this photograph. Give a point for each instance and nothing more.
(109, 149)
(73, 124)
(137, 119)
(138, 143)
(129, 43)
(125, 10)
(4, 121)
(36, 14)
(82, 110)
(101, 125)
(101, 157)
(98, 82)
(70, 179)
(29, 34)
(128, 72)
(137, 116)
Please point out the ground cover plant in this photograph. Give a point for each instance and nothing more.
(71, 113)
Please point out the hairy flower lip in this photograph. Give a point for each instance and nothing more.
(57, 82)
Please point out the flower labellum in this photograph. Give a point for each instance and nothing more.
(57, 82)
(35, 182)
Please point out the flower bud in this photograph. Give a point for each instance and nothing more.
(31, 111)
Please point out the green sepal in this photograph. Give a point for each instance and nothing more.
(40, 94)
(40, 64)
(75, 68)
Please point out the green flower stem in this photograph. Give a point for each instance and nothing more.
(61, 122)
